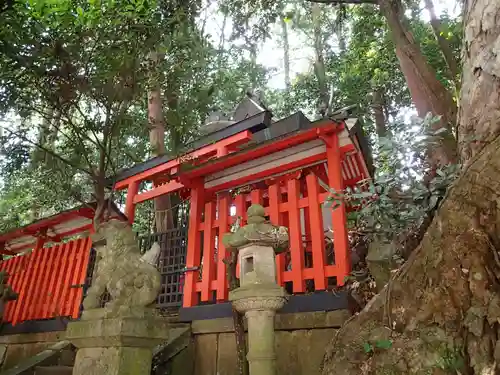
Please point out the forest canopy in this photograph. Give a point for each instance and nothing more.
(77, 76)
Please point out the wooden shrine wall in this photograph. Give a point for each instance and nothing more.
(290, 204)
(49, 282)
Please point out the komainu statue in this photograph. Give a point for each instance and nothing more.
(131, 280)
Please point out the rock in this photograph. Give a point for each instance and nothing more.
(381, 261)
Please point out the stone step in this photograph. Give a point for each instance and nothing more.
(67, 357)
(53, 370)
(179, 340)
(45, 358)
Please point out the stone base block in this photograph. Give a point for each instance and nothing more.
(120, 345)
(113, 361)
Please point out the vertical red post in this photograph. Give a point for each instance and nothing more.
(241, 211)
(39, 291)
(208, 251)
(63, 263)
(55, 255)
(275, 218)
(296, 248)
(339, 216)
(194, 243)
(256, 196)
(317, 232)
(132, 191)
(76, 292)
(305, 213)
(31, 275)
(68, 278)
(222, 252)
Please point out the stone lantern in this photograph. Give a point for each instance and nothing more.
(259, 296)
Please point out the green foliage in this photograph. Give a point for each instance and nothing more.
(24, 196)
(378, 344)
(83, 68)
(86, 67)
(367, 347)
(451, 360)
(399, 197)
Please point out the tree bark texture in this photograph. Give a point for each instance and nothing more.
(440, 312)
(39, 156)
(163, 208)
(286, 53)
(47, 135)
(378, 112)
(480, 95)
(427, 92)
(340, 28)
(319, 62)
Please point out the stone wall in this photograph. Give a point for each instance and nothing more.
(15, 348)
(301, 340)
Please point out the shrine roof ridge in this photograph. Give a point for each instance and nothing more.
(254, 124)
(263, 131)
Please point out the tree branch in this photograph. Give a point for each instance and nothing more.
(75, 129)
(48, 151)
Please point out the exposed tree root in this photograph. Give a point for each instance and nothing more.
(440, 312)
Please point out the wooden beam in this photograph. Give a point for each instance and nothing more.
(132, 191)
(167, 188)
(276, 171)
(265, 149)
(236, 139)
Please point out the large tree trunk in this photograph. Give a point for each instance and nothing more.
(480, 95)
(163, 208)
(47, 134)
(427, 92)
(340, 28)
(379, 112)
(286, 54)
(319, 61)
(440, 313)
(444, 45)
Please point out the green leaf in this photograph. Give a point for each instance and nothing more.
(367, 347)
(433, 201)
(383, 344)
(336, 204)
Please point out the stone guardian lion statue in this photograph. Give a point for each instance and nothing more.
(131, 280)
